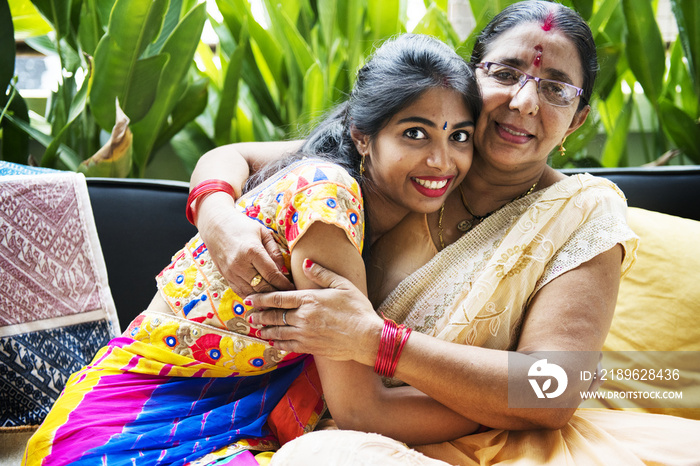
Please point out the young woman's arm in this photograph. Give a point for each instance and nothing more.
(356, 397)
(251, 249)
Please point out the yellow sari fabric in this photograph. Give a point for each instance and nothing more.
(475, 292)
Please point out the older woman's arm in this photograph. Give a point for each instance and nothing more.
(571, 313)
(251, 249)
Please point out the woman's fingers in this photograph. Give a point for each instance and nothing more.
(240, 257)
(272, 317)
(324, 277)
(276, 300)
(270, 265)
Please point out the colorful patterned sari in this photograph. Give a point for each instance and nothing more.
(189, 382)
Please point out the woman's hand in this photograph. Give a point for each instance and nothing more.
(337, 321)
(240, 247)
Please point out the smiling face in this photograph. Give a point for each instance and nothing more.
(517, 127)
(421, 155)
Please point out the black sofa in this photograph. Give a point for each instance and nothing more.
(141, 223)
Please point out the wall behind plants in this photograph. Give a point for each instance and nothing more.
(278, 66)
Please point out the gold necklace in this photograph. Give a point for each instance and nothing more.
(466, 225)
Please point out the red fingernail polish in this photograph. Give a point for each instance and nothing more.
(308, 263)
(272, 343)
(250, 319)
(284, 270)
(248, 302)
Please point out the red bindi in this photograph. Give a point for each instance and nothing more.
(548, 22)
(538, 57)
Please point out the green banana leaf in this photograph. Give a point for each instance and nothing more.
(180, 47)
(234, 12)
(76, 109)
(609, 54)
(598, 20)
(26, 20)
(687, 13)
(170, 22)
(583, 7)
(228, 98)
(67, 155)
(314, 96)
(435, 23)
(58, 14)
(615, 150)
(645, 49)
(190, 106)
(291, 40)
(90, 28)
(442, 4)
(262, 61)
(117, 66)
(354, 27)
(205, 57)
(15, 141)
(327, 14)
(7, 45)
(679, 85)
(681, 129)
(384, 19)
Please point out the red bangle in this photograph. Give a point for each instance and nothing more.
(404, 338)
(391, 345)
(385, 347)
(203, 189)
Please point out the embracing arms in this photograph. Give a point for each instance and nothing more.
(571, 313)
(354, 393)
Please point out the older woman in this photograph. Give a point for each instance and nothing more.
(529, 271)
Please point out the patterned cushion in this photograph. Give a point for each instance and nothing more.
(56, 309)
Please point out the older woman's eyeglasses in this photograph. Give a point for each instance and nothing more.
(553, 92)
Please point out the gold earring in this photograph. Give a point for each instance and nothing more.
(562, 149)
(362, 164)
(537, 108)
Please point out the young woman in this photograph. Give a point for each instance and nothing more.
(520, 264)
(190, 381)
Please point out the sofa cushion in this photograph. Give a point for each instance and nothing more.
(657, 318)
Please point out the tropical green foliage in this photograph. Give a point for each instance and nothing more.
(132, 53)
(280, 73)
(274, 73)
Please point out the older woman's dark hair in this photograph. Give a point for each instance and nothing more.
(550, 15)
(397, 74)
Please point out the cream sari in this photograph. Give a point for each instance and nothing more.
(475, 292)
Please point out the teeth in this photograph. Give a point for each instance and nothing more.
(514, 133)
(431, 184)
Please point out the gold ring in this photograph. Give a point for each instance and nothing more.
(256, 280)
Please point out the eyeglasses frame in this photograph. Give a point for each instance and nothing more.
(484, 65)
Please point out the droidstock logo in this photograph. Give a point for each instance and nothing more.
(544, 371)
